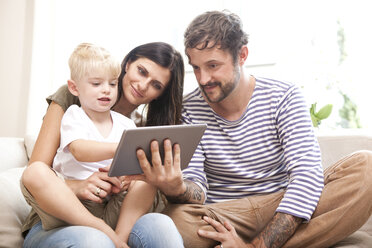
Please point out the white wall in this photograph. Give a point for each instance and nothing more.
(15, 50)
(299, 45)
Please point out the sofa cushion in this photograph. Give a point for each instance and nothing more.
(359, 239)
(30, 140)
(335, 146)
(13, 208)
(12, 153)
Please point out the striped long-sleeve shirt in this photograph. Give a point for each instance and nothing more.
(271, 147)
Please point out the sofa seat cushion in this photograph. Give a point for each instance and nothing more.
(13, 208)
(359, 239)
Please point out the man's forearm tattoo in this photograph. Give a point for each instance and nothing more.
(192, 194)
(279, 230)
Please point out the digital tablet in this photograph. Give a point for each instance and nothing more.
(125, 161)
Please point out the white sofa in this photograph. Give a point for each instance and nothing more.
(14, 154)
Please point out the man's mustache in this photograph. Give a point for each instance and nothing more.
(211, 84)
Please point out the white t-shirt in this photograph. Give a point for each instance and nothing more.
(77, 125)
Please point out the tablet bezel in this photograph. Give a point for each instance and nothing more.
(187, 136)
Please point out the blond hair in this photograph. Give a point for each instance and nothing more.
(88, 57)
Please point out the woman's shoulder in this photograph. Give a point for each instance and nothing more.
(138, 118)
(63, 97)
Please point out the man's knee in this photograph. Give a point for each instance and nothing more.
(363, 154)
(366, 156)
(358, 168)
(363, 158)
(358, 162)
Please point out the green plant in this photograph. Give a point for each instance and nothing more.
(323, 113)
(349, 113)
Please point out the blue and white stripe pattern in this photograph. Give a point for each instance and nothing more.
(271, 147)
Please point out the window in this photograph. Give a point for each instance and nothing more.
(320, 45)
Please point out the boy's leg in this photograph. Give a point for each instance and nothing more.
(248, 216)
(111, 211)
(344, 206)
(125, 212)
(48, 221)
(64, 204)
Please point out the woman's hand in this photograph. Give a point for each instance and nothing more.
(167, 177)
(96, 187)
(225, 234)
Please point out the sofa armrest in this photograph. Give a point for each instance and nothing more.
(13, 153)
(13, 208)
(30, 140)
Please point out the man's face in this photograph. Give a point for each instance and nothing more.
(215, 72)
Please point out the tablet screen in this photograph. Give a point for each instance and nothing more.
(125, 161)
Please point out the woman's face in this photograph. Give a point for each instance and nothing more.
(144, 81)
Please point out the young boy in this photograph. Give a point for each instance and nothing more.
(89, 138)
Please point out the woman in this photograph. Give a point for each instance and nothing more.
(143, 80)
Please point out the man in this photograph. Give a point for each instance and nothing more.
(256, 178)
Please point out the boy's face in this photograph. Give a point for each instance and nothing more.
(215, 72)
(97, 91)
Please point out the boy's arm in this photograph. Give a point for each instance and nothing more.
(92, 151)
(136, 203)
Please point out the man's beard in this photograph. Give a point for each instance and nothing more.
(225, 90)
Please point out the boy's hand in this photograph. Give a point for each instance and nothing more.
(124, 184)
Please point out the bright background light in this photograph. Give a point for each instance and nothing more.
(324, 46)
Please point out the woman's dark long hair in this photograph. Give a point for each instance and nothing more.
(166, 109)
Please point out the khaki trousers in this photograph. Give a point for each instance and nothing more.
(344, 206)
